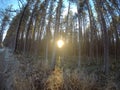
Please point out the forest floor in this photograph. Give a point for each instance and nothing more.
(9, 65)
(10, 73)
(18, 72)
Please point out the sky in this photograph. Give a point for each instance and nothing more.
(73, 7)
(6, 3)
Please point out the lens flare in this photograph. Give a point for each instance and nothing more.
(60, 43)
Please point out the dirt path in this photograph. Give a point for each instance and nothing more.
(55, 80)
(8, 66)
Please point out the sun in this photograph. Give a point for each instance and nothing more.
(60, 43)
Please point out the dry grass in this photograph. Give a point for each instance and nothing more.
(55, 80)
(38, 76)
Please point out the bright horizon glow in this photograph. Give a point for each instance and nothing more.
(60, 43)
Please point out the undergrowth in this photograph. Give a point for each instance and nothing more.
(36, 75)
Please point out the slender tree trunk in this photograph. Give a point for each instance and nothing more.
(27, 39)
(1, 35)
(91, 31)
(106, 46)
(48, 29)
(58, 14)
(19, 26)
(80, 34)
(104, 35)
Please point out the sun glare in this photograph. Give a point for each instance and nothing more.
(60, 43)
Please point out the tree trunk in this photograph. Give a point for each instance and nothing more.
(18, 28)
(58, 14)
